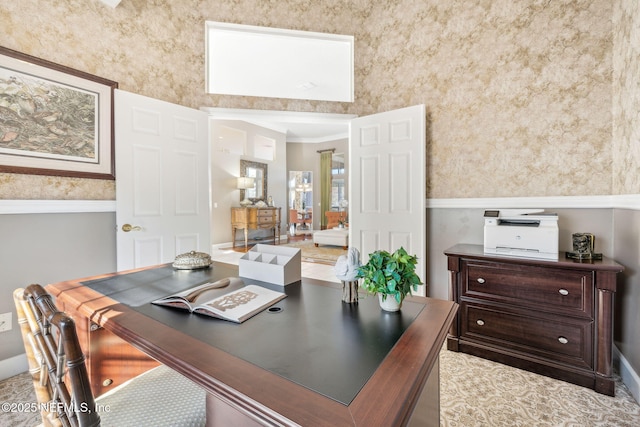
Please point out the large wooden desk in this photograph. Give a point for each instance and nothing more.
(402, 389)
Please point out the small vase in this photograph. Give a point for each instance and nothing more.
(389, 303)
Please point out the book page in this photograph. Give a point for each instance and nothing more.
(193, 296)
(241, 304)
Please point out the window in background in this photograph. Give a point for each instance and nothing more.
(337, 180)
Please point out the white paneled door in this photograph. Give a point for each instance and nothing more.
(162, 187)
(388, 184)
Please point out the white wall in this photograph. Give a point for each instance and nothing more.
(47, 248)
(225, 168)
(449, 226)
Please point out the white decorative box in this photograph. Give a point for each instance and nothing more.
(273, 264)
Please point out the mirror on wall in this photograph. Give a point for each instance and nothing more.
(301, 200)
(257, 171)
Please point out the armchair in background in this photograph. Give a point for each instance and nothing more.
(333, 219)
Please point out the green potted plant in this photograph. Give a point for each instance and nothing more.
(392, 276)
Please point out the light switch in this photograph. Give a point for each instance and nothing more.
(5, 322)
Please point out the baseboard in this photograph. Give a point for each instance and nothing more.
(216, 246)
(13, 366)
(224, 245)
(630, 377)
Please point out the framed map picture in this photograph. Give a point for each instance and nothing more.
(54, 120)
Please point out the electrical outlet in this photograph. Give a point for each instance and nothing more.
(5, 322)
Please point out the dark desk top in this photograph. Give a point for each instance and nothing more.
(316, 341)
(301, 352)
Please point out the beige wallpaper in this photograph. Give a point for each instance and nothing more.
(519, 93)
(626, 98)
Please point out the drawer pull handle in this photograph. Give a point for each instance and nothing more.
(563, 291)
(563, 340)
(480, 322)
(480, 280)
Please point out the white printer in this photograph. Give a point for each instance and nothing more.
(521, 233)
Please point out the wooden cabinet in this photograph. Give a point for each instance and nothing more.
(554, 318)
(253, 218)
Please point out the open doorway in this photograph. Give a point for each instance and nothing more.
(302, 133)
(379, 218)
(300, 206)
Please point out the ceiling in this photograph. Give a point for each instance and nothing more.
(298, 126)
(311, 132)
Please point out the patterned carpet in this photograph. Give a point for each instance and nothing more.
(16, 393)
(323, 254)
(473, 392)
(478, 392)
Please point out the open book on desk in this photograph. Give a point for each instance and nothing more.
(237, 305)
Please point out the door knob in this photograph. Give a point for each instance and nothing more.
(128, 227)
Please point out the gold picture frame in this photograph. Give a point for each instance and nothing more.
(259, 171)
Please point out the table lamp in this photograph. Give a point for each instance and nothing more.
(244, 183)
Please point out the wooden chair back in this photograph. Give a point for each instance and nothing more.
(55, 358)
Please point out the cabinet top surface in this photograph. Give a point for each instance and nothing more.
(465, 250)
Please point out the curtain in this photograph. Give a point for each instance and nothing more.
(326, 158)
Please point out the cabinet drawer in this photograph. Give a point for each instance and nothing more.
(557, 290)
(565, 340)
(238, 215)
(265, 220)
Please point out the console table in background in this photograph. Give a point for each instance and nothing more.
(554, 318)
(253, 218)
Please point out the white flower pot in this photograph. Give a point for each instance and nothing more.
(389, 303)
